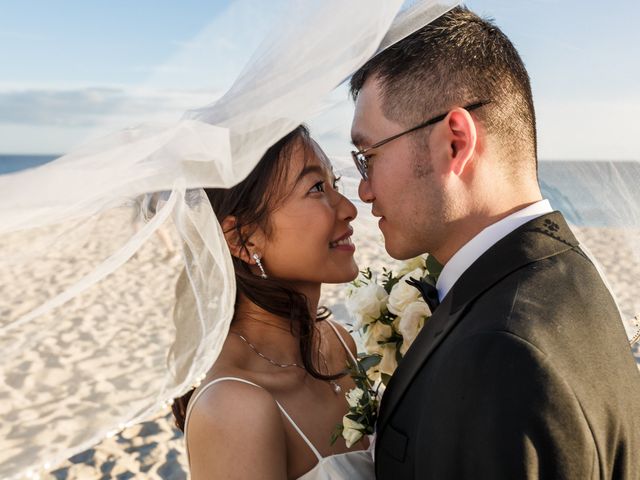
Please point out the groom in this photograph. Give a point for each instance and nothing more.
(524, 370)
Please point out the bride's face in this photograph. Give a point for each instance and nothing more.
(309, 240)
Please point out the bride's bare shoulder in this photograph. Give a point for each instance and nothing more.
(223, 399)
(239, 422)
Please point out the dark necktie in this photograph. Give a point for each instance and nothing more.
(428, 291)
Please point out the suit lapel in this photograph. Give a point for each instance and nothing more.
(540, 238)
(432, 334)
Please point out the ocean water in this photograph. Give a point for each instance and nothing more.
(588, 193)
(15, 163)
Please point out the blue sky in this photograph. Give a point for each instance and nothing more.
(68, 67)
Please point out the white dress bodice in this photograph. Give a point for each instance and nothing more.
(356, 465)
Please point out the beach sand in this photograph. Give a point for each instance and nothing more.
(154, 449)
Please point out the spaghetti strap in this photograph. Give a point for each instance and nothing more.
(193, 401)
(304, 437)
(344, 344)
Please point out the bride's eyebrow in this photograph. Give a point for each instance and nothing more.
(311, 169)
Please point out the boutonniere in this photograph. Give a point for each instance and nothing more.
(427, 288)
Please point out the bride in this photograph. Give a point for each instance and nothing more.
(268, 406)
(97, 344)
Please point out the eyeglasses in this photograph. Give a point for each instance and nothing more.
(360, 158)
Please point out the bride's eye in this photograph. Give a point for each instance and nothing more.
(336, 183)
(318, 187)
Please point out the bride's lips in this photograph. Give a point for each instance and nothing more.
(343, 242)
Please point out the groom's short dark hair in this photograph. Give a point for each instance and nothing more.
(458, 59)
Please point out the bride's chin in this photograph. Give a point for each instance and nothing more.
(355, 271)
(348, 275)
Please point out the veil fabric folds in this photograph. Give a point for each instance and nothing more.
(601, 202)
(98, 330)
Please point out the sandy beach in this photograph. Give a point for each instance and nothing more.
(154, 449)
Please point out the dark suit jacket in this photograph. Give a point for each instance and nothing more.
(523, 371)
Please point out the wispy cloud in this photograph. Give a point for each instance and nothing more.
(94, 106)
(170, 69)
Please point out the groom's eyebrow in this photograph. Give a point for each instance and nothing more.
(358, 139)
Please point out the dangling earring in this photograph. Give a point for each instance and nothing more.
(256, 257)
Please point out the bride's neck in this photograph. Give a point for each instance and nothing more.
(247, 310)
(271, 334)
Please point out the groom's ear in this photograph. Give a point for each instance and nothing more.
(461, 136)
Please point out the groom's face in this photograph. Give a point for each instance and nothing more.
(403, 186)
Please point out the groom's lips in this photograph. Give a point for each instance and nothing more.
(376, 213)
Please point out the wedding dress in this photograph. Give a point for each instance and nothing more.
(355, 465)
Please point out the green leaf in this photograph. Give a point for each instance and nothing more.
(433, 267)
(337, 432)
(366, 273)
(390, 283)
(398, 354)
(369, 361)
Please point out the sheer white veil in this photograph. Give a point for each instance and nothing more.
(96, 332)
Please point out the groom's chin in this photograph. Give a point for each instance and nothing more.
(395, 251)
(400, 250)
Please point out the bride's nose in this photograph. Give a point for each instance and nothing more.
(346, 209)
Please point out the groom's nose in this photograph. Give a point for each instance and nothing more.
(364, 191)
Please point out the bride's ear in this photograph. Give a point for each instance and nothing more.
(241, 244)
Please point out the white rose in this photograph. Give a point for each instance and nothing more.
(410, 322)
(388, 364)
(352, 431)
(413, 264)
(354, 396)
(402, 294)
(366, 304)
(377, 332)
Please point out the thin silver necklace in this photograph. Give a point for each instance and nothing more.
(334, 385)
(272, 362)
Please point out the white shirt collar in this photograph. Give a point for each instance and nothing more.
(484, 240)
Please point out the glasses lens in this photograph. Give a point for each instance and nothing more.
(361, 163)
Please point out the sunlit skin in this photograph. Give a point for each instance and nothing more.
(436, 188)
(301, 252)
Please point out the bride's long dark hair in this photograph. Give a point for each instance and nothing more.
(251, 203)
